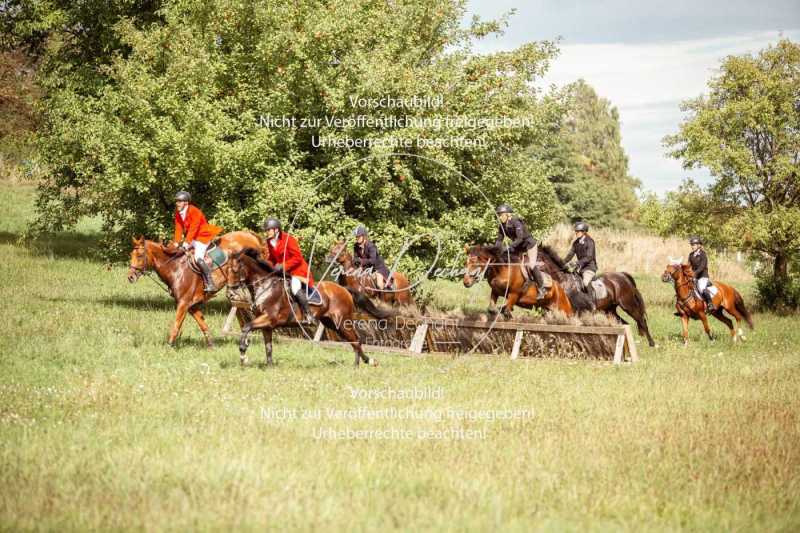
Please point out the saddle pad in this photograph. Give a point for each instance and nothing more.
(599, 287)
(217, 256)
(313, 295)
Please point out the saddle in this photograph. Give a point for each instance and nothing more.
(313, 295)
(523, 259)
(215, 257)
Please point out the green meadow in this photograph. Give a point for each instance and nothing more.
(103, 426)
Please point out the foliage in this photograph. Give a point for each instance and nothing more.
(746, 131)
(177, 103)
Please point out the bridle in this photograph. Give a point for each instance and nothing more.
(689, 282)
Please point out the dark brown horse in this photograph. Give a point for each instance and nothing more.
(504, 275)
(621, 291)
(690, 305)
(362, 281)
(274, 306)
(172, 265)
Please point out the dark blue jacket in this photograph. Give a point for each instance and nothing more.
(368, 256)
(585, 252)
(514, 229)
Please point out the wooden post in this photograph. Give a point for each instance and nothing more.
(632, 349)
(419, 338)
(517, 344)
(226, 329)
(319, 333)
(618, 351)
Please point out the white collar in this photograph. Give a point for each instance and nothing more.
(183, 211)
(274, 241)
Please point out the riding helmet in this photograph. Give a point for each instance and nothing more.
(359, 231)
(183, 196)
(695, 240)
(581, 226)
(503, 208)
(272, 223)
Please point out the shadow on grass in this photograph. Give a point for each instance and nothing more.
(64, 245)
(143, 304)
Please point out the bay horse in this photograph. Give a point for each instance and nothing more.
(690, 305)
(362, 280)
(621, 291)
(274, 305)
(172, 265)
(504, 275)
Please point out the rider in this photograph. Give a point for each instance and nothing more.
(699, 262)
(284, 253)
(366, 255)
(521, 242)
(192, 226)
(583, 248)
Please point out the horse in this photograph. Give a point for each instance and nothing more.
(690, 305)
(362, 280)
(621, 291)
(273, 304)
(504, 275)
(172, 265)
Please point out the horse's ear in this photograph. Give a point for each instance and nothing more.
(138, 240)
(466, 248)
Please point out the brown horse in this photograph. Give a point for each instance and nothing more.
(504, 275)
(274, 305)
(621, 291)
(172, 265)
(690, 305)
(362, 280)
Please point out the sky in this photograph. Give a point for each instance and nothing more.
(645, 58)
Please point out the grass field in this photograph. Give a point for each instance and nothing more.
(103, 426)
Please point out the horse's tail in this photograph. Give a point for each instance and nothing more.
(630, 278)
(365, 304)
(738, 302)
(638, 300)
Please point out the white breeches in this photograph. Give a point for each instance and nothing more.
(199, 250)
(297, 284)
(702, 283)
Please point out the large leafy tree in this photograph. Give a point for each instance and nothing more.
(594, 183)
(746, 131)
(178, 96)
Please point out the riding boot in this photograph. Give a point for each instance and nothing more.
(537, 276)
(589, 290)
(709, 301)
(208, 280)
(302, 299)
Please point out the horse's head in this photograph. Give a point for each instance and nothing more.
(236, 270)
(478, 260)
(338, 253)
(675, 269)
(139, 263)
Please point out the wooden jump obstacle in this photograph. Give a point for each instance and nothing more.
(417, 335)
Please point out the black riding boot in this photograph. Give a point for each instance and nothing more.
(589, 291)
(709, 303)
(208, 280)
(539, 279)
(302, 299)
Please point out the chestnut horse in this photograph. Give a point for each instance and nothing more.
(621, 291)
(274, 305)
(690, 305)
(171, 264)
(504, 275)
(362, 280)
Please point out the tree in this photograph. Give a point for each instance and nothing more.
(178, 106)
(746, 131)
(596, 185)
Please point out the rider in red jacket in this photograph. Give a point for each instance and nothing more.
(192, 227)
(284, 253)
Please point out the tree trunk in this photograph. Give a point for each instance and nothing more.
(780, 268)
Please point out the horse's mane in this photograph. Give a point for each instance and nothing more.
(550, 253)
(496, 253)
(255, 256)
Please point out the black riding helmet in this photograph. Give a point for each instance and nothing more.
(503, 208)
(359, 231)
(581, 226)
(272, 223)
(695, 240)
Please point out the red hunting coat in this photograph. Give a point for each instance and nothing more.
(195, 227)
(287, 253)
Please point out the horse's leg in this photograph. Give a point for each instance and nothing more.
(350, 335)
(197, 314)
(180, 315)
(613, 312)
(492, 310)
(267, 332)
(737, 315)
(511, 301)
(725, 320)
(632, 307)
(260, 322)
(685, 324)
(704, 320)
